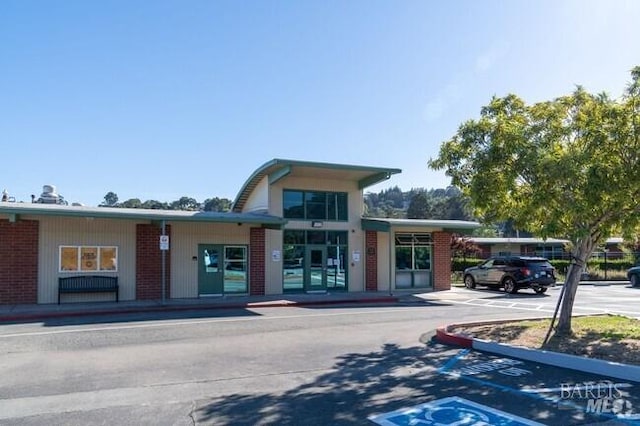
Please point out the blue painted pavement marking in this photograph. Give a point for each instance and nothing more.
(505, 365)
(452, 411)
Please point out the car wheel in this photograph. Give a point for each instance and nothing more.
(509, 285)
(540, 290)
(635, 280)
(469, 282)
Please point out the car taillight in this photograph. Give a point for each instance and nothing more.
(525, 271)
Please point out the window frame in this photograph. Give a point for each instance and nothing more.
(80, 249)
(335, 205)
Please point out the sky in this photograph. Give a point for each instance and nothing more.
(163, 99)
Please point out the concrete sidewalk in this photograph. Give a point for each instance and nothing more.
(20, 313)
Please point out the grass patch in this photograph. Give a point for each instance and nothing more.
(607, 326)
(608, 337)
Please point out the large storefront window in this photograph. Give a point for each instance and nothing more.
(314, 260)
(315, 205)
(413, 260)
(88, 259)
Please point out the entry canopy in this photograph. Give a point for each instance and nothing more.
(278, 168)
(430, 225)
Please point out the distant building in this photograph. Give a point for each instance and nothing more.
(551, 248)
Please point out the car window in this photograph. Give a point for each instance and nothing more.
(542, 263)
(498, 262)
(518, 262)
(487, 264)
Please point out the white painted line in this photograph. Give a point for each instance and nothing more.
(192, 322)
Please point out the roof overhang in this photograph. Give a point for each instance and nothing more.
(14, 210)
(277, 169)
(387, 224)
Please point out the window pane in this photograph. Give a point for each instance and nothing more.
(403, 258)
(108, 259)
(337, 237)
(293, 264)
(316, 205)
(316, 237)
(89, 258)
(422, 239)
(235, 253)
(422, 258)
(68, 258)
(210, 260)
(235, 276)
(404, 239)
(343, 209)
(293, 237)
(293, 206)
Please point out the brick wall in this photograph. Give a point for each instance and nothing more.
(371, 265)
(257, 261)
(19, 262)
(442, 261)
(149, 262)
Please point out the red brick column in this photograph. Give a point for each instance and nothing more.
(371, 265)
(441, 261)
(19, 262)
(149, 262)
(257, 246)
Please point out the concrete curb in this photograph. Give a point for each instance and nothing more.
(35, 316)
(574, 362)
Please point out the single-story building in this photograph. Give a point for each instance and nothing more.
(551, 248)
(295, 226)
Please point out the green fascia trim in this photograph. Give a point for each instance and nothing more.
(146, 215)
(238, 203)
(375, 225)
(279, 174)
(385, 225)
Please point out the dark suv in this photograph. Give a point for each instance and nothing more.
(512, 273)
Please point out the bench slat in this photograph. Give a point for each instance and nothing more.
(88, 284)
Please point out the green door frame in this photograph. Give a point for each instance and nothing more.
(315, 269)
(210, 269)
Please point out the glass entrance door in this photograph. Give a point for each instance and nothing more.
(316, 269)
(210, 270)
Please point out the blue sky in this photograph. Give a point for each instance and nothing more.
(162, 99)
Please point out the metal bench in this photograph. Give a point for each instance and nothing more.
(87, 284)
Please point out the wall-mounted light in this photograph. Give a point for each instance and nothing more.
(317, 224)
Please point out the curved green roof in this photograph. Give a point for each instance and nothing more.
(279, 168)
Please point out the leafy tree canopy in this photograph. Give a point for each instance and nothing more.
(565, 168)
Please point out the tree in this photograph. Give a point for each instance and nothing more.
(131, 203)
(217, 204)
(185, 203)
(419, 206)
(566, 168)
(110, 200)
(155, 205)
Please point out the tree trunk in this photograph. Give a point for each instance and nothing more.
(582, 253)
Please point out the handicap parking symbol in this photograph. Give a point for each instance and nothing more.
(453, 411)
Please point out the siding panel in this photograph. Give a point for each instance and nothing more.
(57, 231)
